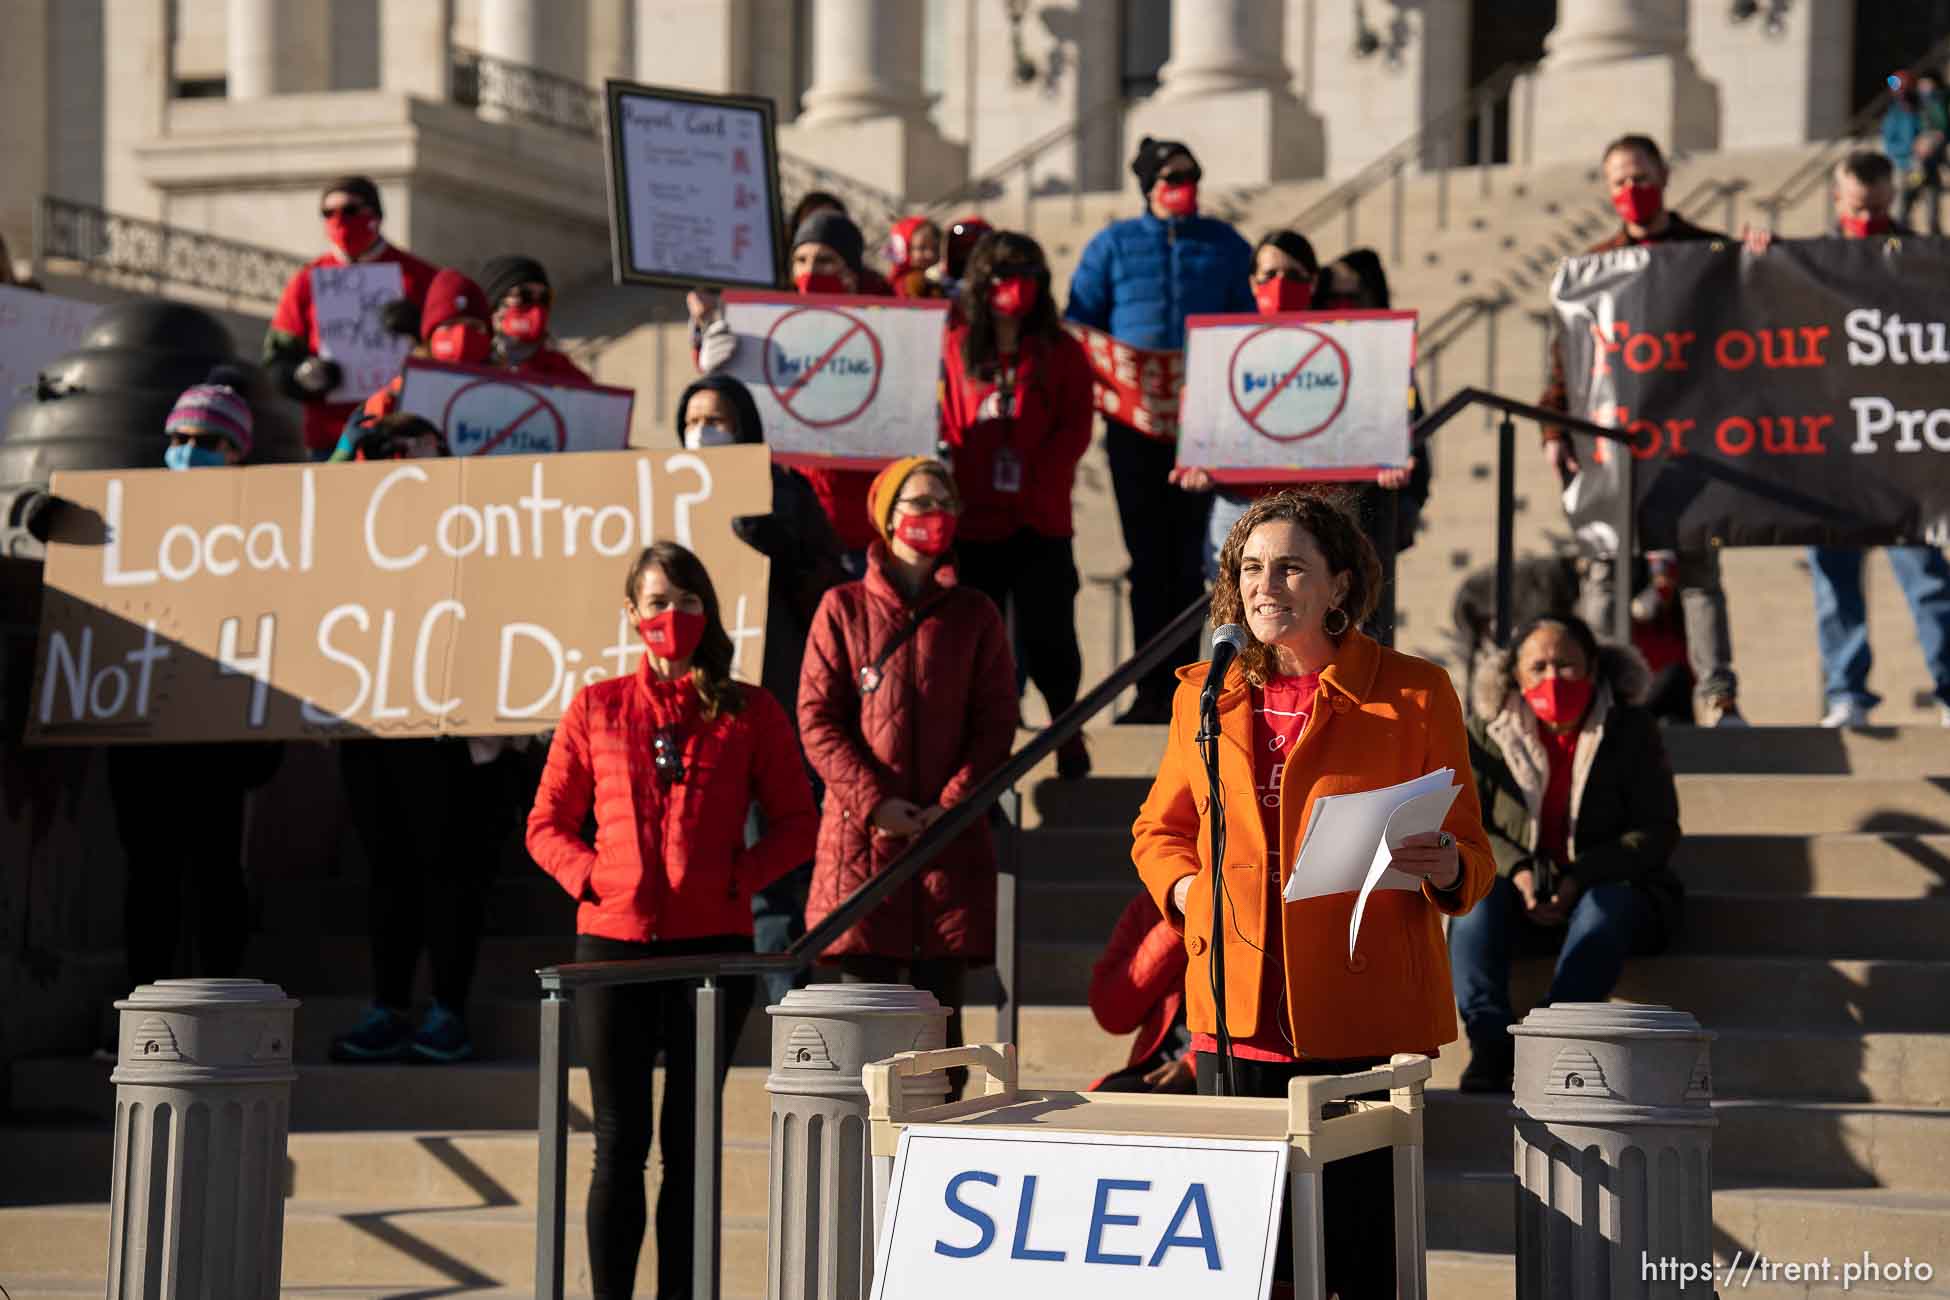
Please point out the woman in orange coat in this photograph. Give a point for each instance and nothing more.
(1312, 708)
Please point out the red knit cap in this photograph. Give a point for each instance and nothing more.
(452, 296)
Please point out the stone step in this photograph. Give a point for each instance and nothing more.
(389, 1248)
(1857, 865)
(1475, 1275)
(1879, 752)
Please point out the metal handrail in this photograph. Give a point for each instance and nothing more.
(161, 253)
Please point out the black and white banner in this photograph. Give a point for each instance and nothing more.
(1800, 395)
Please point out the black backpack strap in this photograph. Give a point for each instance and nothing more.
(870, 675)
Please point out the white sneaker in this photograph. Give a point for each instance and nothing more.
(1850, 714)
(1943, 714)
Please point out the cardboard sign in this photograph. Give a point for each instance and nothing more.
(693, 188)
(978, 1213)
(463, 596)
(36, 330)
(487, 412)
(346, 302)
(1135, 386)
(841, 380)
(1298, 396)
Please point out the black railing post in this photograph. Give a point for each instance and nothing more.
(1399, 201)
(708, 1001)
(1627, 526)
(1008, 917)
(1485, 141)
(1506, 522)
(553, 1121)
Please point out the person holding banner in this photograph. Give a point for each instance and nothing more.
(668, 760)
(1138, 280)
(351, 211)
(1312, 707)
(906, 703)
(1015, 408)
(451, 326)
(1635, 176)
(520, 297)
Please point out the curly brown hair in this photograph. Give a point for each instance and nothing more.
(1328, 516)
(711, 662)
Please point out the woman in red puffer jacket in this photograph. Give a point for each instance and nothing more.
(1139, 983)
(907, 701)
(670, 759)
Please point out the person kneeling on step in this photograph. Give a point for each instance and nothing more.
(1582, 813)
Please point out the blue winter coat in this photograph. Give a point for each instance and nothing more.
(1139, 279)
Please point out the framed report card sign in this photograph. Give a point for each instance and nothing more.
(693, 188)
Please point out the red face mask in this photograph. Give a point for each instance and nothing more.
(817, 282)
(524, 324)
(352, 234)
(1179, 200)
(930, 534)
(1281, 294)
(1559, 701)
(1640, 204)
(1864, 227)
(673, 634)
(1014, 297)
(459, 343)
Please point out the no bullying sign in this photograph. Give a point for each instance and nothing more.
(840, 379)
(1299, 396)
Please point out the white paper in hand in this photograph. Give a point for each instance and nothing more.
(1414, 816)
(1343, 832)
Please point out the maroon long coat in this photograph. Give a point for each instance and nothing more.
(940, 722)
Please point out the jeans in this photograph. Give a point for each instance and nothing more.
(620, 1031)
(1357, 1213)
(1842, 617)
(1164, 531)
(1609, 923)
(1702, 601)
(1038, 575)
(778, 921)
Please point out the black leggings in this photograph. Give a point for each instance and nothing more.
(620, 1031)
(1357, 1215)
(1039, 575)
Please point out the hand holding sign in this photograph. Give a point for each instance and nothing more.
(347, 302)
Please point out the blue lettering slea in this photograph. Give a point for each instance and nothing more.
(1194, 1203)
(962, 1209)
(1021, 1248)
(1100, 1219)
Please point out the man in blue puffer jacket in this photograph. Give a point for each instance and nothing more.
(1138, 281)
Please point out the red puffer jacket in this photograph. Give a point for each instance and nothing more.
(1047, 429)
(669, 861)
(940, 722)
(1139, 982)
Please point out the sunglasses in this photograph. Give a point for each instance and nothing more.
(1012, 269)
(1180, 176)
(667, 754)
(343, 210)
(206, 441)
(525, 296)
(1297, 277)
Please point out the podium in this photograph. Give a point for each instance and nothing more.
(1320, 1120)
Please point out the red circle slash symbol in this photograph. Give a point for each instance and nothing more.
(1288, 382)
(823, 365)
(491, 414)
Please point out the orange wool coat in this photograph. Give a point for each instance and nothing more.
(1380, 718)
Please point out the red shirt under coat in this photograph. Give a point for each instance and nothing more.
(1047, 428)
(941, 720)
(1554, 818)
(669, 861)
(324, 421)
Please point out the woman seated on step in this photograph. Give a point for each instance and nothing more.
(1139, 984)
(1581, 810)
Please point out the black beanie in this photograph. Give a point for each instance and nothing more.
(837, 232)
(500, 274)
(1152, 155)
(359, 187)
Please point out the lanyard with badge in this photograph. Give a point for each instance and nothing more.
(1004, 403)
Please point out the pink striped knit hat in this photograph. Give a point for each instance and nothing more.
(212, 408)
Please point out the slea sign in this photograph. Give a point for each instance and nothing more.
(980, 1213)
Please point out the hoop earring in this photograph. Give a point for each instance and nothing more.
(1346, 622)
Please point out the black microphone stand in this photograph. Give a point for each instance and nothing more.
(1208, 748)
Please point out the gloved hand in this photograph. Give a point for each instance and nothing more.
(317, 376)
(716, 346)
(765, 534)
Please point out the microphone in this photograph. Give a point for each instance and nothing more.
(1227, 643)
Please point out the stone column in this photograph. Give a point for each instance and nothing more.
(1226, 92)
(705, 47)
(512, 31)
(136, 75)
(202, 1110)
(1613, 66)
(1613, 1150)
(821, 1237)
(865, 113)
(25, 108)
(416, 47)
(1793, 84)
(276, 48)
(612, 40)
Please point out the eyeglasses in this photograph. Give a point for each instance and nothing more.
(1181, 176)
(928, 505)
(525, 296)
(667, 753)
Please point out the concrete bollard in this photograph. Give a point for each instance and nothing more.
(1614, 1143)
(821, 1239)
(202, 1109)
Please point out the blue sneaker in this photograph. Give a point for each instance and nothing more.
(382, 1034)
(442, 1037)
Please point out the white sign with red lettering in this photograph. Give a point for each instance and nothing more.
(488, 412)
(36, 330)
(346, 302)
(1298, 396)
(840, 380)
